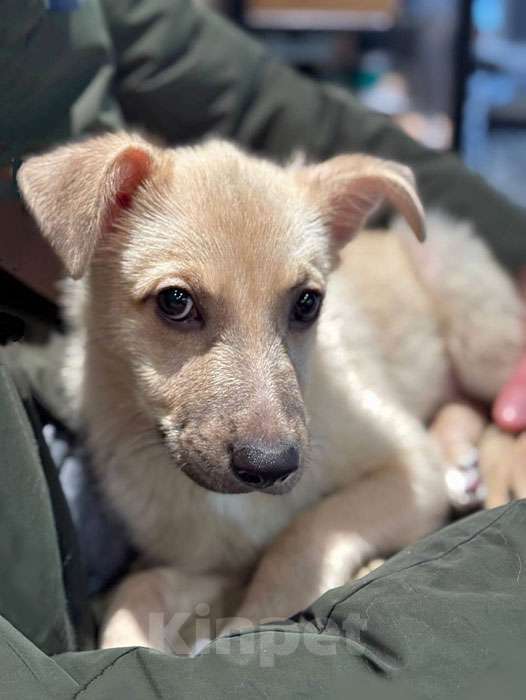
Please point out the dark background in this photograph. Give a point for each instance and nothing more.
(451, 72)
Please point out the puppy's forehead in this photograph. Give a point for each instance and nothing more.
(219, 213)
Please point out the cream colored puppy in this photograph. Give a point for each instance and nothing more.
(260, 451)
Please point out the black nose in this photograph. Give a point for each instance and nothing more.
(261, 464)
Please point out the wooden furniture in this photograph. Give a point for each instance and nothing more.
(324, 15)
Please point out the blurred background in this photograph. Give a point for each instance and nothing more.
(451, 72)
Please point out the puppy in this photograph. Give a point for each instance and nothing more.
(253, 389)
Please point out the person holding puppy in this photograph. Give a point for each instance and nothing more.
(180, 72)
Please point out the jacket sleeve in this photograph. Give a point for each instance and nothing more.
(183, 71)
(443, 619)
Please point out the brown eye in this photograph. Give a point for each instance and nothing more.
(307, 307)
(176, 304)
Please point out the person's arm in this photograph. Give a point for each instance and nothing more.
(183, 72)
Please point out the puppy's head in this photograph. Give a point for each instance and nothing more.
(206, 270)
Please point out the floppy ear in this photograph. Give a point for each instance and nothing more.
(77, 191)
(349, 188)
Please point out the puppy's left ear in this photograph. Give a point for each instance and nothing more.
(77, 192)
(349, 188)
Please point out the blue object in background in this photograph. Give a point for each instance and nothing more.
(63, 5)
(103, 539)
(489, 15)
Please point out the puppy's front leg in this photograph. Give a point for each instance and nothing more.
(168, 609)
(324, 546)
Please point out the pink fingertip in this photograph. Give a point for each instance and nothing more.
(509, 409)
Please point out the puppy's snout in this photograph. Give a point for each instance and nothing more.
(261, 464)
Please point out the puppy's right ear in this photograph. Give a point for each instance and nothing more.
(348, 188)
(76, 192)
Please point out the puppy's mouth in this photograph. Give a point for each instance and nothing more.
(229, 484)
(221, 479)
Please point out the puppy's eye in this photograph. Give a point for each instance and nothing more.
(176, 304)
(307, 307)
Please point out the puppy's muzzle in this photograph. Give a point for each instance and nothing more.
(261, 464)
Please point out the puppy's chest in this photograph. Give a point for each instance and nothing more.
(204, 531)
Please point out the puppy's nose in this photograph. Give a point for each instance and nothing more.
(260, 464)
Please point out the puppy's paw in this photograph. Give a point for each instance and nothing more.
(368, 568)
(503, 466)
(458, 429)
(123, 630)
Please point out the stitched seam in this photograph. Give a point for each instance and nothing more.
(275, 628)
(17, 405)
(418, 563)
(249, 92)
(26, 664)
(101, 673)
(149, 676)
